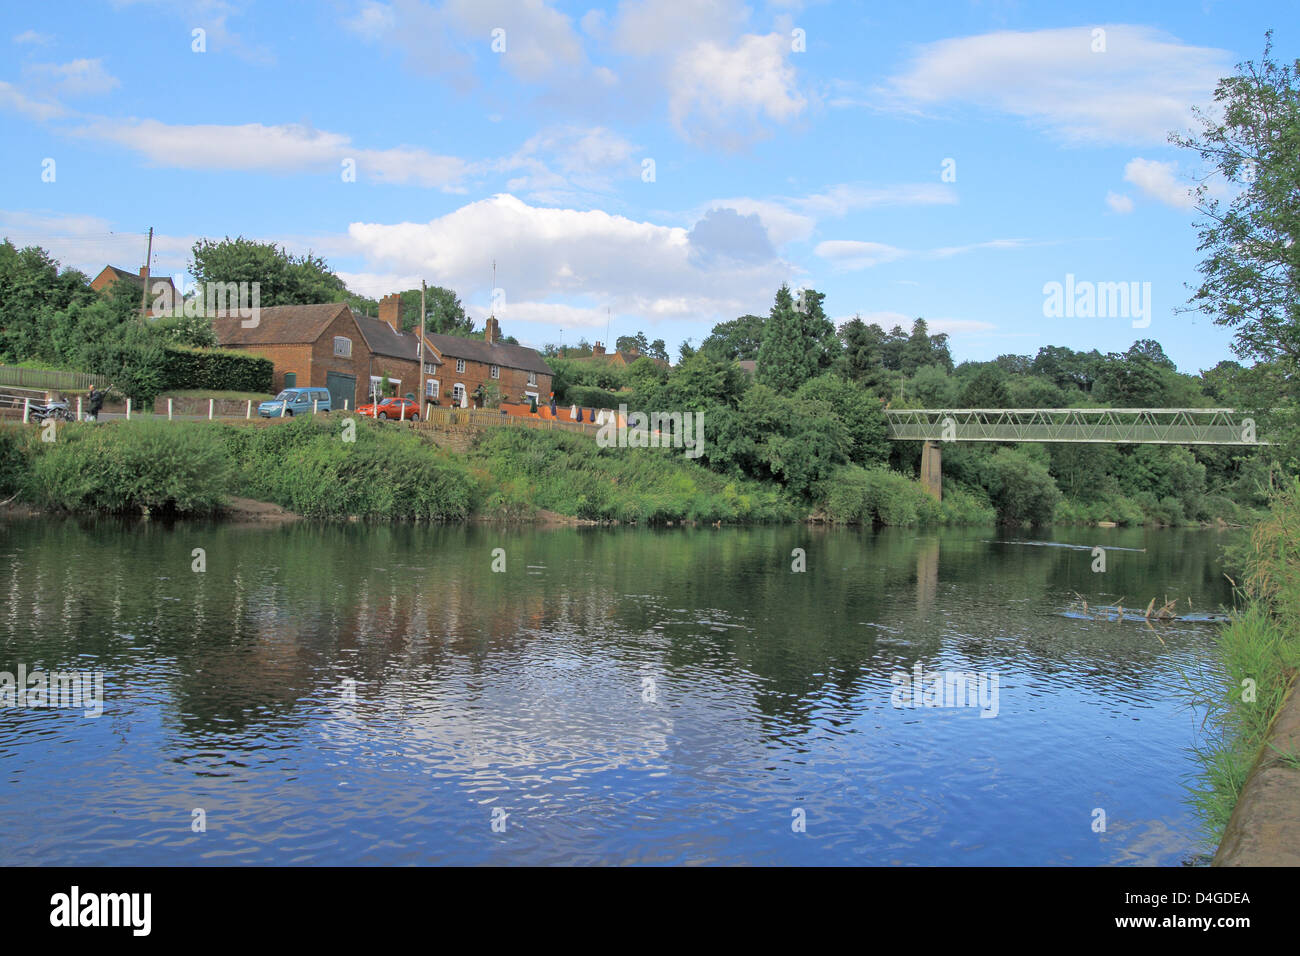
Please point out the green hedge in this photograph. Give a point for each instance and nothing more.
(216, 369)
(588, 396)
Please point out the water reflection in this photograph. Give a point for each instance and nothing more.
(371, 694)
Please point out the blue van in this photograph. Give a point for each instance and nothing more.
(296, 401)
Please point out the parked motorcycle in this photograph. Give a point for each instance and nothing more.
(58, 411)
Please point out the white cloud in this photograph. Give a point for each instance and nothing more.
(666, 27)
(725, 94)
(33, 38)
(1119, 203)
(75, 78)
(372, 21)
(285, 148)
(1159, 181)
(211, 16)
(540, 41)
(570, 165)
(571, 258)
(851, 255)
(14, 100)
(794, 218)
(89, 243)
(1137, 91)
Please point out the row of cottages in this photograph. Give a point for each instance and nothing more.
(330, 346)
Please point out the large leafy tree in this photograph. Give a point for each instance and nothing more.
(284, 279)
(1251, 271)
(738, 340)
(444, 313)
(32, 291)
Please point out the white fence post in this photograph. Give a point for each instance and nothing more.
(169, 409)
(128, 409)
(211, 405)
(248, 413)
(345, 404)
(27, 407)
(315, 405)
(78, 408)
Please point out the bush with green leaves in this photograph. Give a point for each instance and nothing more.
(223, 370)
(855, 495)
(386, 473)
(124, 467)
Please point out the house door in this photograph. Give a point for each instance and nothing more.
(341, 387)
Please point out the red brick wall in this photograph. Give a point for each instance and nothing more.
(512, 383)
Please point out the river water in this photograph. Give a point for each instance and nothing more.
(353, 694)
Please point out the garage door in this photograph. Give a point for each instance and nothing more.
(342, 388)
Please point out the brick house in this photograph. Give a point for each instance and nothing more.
(465, 365)
(112, 274)
(330, 346)
(326, 346)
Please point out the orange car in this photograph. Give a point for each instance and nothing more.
(402, 409)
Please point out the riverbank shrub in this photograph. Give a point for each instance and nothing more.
(571, 475)
(13, 460)
(387, 472)
(1259, 656)
(857, 495)
(127, 467)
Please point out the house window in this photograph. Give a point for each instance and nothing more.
(460, 366)
(431, 388)
(430, 369)
(342, 346)
(458, 394)
(532, 378)
(496, 371)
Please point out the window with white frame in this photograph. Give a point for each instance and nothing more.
(431, 388)
(496, 371)
(342, 346)
(458, 394)
(532, 378)
(460, 366)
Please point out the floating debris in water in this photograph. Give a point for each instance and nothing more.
(1166, 613)
(1069, 547)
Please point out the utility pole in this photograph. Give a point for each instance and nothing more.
(144, 293)
(420, 380)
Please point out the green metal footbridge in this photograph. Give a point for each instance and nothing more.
(1110, 426)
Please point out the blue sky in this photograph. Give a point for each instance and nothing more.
(672, 162)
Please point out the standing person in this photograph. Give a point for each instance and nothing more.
(95, 401)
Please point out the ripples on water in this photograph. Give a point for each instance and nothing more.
(671, 697)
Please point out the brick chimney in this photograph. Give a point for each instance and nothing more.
(390, 310)
(598, 349)
(491, 330)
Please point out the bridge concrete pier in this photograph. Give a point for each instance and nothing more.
(932, 469)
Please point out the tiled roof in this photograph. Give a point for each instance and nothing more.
(476, 350)
(384, 341)
(137, 279)
(278, 325)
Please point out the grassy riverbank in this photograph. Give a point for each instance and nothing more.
(1260, 656)
(390, 473)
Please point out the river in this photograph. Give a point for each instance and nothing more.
(359, 694)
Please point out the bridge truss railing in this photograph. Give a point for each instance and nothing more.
(1112, 426)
